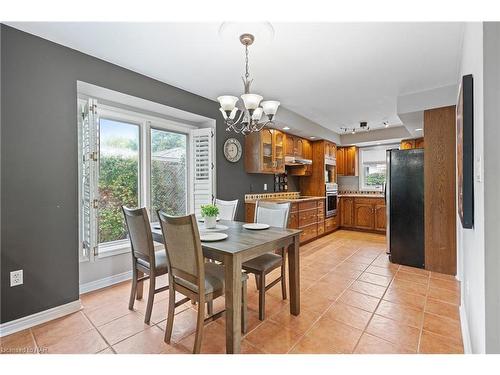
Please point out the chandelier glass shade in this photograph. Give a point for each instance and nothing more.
(245, 117)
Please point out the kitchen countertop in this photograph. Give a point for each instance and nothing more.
(301, 199)
(361, 195)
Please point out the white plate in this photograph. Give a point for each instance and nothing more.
(217, 228)
(256, 226)
(212, 236)
(202, 219)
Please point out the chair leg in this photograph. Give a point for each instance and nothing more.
(210, 308)
(200, 322)
(151, 298)
(283, 274)
(244, 317)
(170, 313)
(140, 285)
(133, 289)
(262, 296)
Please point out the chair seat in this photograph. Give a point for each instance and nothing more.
(214, 279)
(160, 261)
(263, 263)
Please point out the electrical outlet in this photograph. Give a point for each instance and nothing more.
(16, 278)
(265, 187)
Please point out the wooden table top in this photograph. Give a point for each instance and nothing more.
(239, 239)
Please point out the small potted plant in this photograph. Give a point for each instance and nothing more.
(209, 213)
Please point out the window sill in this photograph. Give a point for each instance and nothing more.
(118, 248)
(121, 247)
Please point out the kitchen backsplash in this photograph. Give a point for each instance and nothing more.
(286, 195)
(348, 183)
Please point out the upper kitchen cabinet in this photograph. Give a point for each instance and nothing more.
(347, 161)
(297, 147)
(408, 144)
(265, 152)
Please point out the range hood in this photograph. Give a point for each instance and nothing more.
(296, 160)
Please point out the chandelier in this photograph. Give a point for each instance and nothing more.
(247, 118)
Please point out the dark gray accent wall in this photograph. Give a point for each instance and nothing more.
(39, 166)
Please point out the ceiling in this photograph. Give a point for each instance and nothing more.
(335, 74)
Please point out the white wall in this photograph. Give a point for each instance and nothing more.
(471, 266)
(491, 37)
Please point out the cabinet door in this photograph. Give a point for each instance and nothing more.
(299, 147)
(380, 217)
(341, 161)
(279, 151)
(266, 140)
(289, 145)
(351, 159)
(364, 216)
(407, 144)
(419, 143)
(347, 212)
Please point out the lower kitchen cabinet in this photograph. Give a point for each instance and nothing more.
(347, 212)
(363, 213)
(332, 223)
(308, 216)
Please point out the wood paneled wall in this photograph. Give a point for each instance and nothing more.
(440, 190)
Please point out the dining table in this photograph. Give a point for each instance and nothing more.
(240, 246)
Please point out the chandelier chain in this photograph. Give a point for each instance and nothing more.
(246, 62)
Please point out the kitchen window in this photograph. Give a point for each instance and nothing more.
(372, 166)
(136, 160)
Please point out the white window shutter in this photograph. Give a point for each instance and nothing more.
(202, 146)
(88, 132)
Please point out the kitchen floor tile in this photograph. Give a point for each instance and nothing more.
(375, 279)
(50, 333)
(123, 327)
(395, 332)
(404, 314)
(404, 298)
(447, 310)
(350, 315)
(369, 344)
(334, 334)
(445, 295)
(18, 343)
(89, 342)
(446, 327)
(431, 343)
(359, 300)
(273, 338)
(368, 288)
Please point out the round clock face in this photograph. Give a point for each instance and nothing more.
(232, 150)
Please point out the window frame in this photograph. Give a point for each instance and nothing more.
(146, 123)
(362, 176)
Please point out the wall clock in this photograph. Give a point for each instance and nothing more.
(232, 150)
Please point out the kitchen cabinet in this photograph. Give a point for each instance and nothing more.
(364, 217)
(299, 148)
(408, 144)
(380, 217)
(347, 212)
(308, 215)
(363, 213)
(347, 161)
(265, 152)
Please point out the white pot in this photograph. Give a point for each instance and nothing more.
(210, 222)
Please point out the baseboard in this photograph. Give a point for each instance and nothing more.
(465, 331)
(107, 281)
(39, 318)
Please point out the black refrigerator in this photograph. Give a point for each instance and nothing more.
(404, 194)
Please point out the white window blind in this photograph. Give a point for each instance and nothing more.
(202, 146)
(88, 132)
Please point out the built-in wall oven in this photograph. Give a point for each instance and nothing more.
(331, 199)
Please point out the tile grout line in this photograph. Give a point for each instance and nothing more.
(99, 332)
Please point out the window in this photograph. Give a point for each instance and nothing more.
(118, 176)
(372, 162)
(136, 160)
(168, 173)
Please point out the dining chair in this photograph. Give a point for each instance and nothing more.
(276, 215)
(227, 209)
(191, 276)
(145, 260)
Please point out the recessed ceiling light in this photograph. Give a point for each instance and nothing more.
(379, 143)
(286, 128)
(312, 137)
(418, 130)
(386, 124)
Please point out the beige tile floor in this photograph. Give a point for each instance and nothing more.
(353, 300)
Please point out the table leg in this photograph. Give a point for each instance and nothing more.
(232, 265)
(294, 275)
